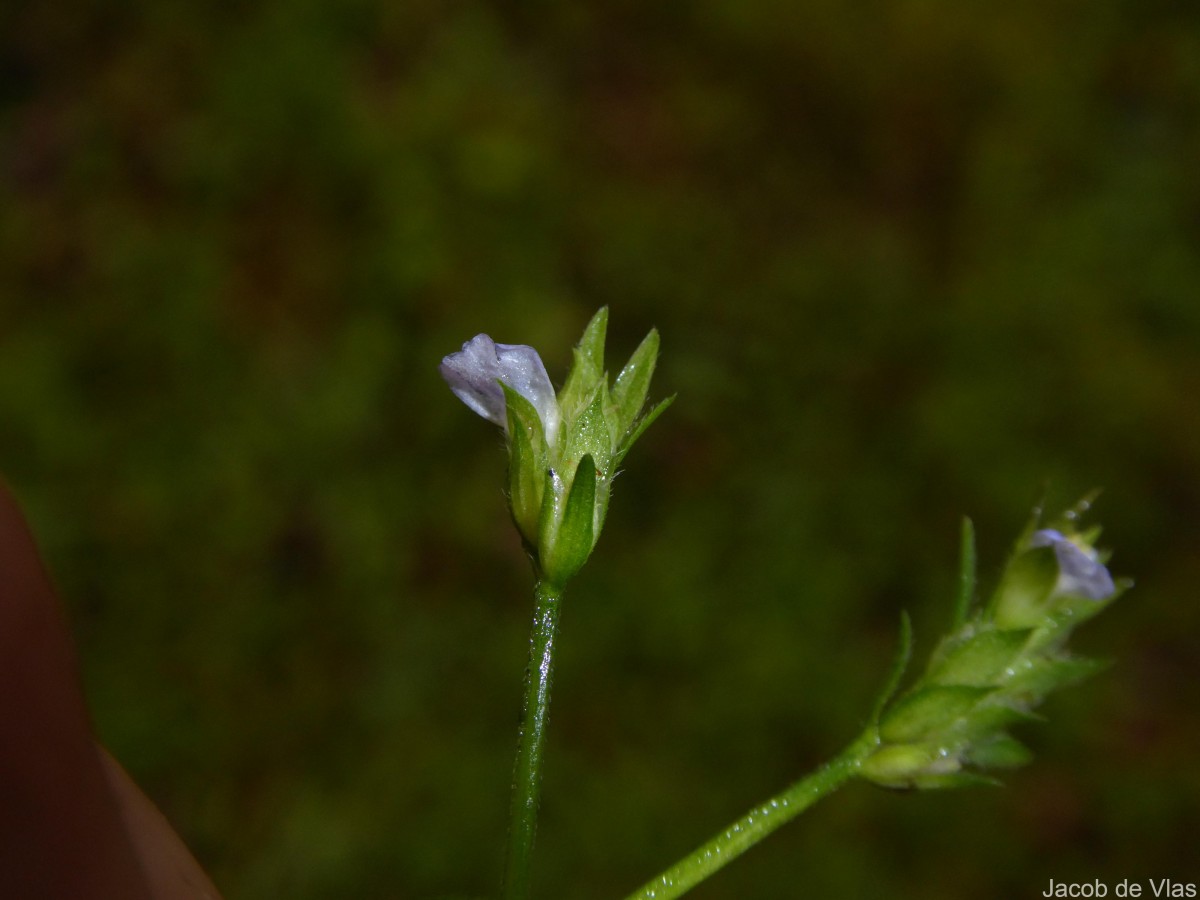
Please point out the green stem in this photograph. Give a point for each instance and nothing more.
(757, 824)
(531, 741)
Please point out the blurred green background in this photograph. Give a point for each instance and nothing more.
(910, 260)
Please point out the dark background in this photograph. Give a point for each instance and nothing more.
(909, 259)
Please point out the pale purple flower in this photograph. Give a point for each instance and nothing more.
(1080, 572)
(474, 374)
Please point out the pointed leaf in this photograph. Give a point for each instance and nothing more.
(981, 658)
(954, 780)
(566, 545)
(1074, 611)
(589, 434)
(553, 498)
(991, 717)
(966, 575)
(646, 421)
(1032, 524)
(587, 371)
(1089, 538)
(899, 664)
(600, 512)
(629, 391)
(928, 712)
(527, 462)
(1038, 677)
(1002, 751)
(900, 765)
(1068, 519)
(591, 344)
(1025, 588)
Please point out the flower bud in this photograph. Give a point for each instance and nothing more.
(1080, 572)
(1049, 569)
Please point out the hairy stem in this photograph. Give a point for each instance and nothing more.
(755, 825)
(531, 742)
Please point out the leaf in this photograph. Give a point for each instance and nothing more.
(979, 659)
(1068, 520)
(990, 717)
(527, 460)
(589, 434)
(646, 421)
(587, 371)
(1001, 751)
(633, 382)
(566, 545)
(966, 575)
(1074, 611)
(1027, 584)
(953, 780)
(899, 665)
(929, 711)
(1038, 677)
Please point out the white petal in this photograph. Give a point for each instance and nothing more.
(1080, 572)
(474, 372)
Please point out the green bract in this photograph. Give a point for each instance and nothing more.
(562, 451)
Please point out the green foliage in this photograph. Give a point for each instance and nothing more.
(587, 373)
(977, 656)
(528, 461)
(910, 259)
(568, 537)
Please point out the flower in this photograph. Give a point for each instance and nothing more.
(996, 666)
(1080, 572)
(562, 450)
(475, 372)
(1053, 571)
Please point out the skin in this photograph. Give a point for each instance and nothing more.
(72, 823)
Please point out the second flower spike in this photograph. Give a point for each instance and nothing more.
(993, 670)
(562, 450)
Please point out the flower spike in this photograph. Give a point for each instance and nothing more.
(995, 667)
